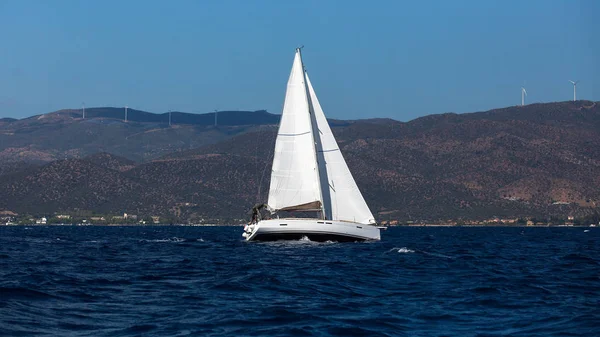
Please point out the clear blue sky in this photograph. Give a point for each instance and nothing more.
(398, 59)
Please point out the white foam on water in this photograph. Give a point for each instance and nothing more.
(402, 250)
(303, 242)
(173, 239)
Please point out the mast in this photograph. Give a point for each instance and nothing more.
(317, 147)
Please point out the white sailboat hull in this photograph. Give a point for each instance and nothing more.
(313, 229)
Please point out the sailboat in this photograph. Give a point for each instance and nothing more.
(310, 176)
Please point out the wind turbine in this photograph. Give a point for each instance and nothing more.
(216, 117)
(169, 117)
(523, 94)
(126, 113)
(574, 89)
(83, 109)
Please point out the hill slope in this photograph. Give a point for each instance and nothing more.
(536, 160)
(145, 136)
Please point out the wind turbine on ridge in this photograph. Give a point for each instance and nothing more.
(574, 89)
(523, 94)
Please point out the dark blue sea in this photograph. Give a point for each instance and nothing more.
(206, 281)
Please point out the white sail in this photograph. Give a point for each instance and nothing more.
(345, 202)
(294, 177)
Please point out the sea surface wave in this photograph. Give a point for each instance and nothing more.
(181, 281)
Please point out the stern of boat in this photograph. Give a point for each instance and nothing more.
(250, 231)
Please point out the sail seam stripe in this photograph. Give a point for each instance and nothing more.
(293, 134)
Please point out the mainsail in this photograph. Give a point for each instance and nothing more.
(345, 200)
(294, 176)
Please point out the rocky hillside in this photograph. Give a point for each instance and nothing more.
(537, 160)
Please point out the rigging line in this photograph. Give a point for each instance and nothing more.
(269, 160)
(256, 142)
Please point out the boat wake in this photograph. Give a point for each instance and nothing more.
(302, 242)
(307, 239)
